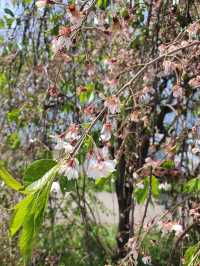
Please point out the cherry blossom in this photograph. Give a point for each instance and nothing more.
(106, 132)
(43, 3)
(171, 227)
(59, 43)
(113, 104)
(98, 164)
(135, 116)
(74, 15)
(112, 83)
(64, 31)
(193, 30)
(195, 82)
(72, 133)
(146, 260)
(168, 67)
(165, 186)
(55, 188)
(62, 144)
(177, 228)
(89, 111)
(177, 91)
(70, 169)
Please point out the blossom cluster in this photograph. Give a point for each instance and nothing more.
(97, 164)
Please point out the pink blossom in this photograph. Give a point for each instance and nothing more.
(106, 132)
(177, 91)
(113, 104)
(168, 67)
(59, 43)
(43, 3)
(75, 15)
(70, 169)
(98, 164)
(72, 133)
(62, 144)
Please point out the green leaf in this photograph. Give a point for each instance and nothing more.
(101, 181)
(27, 237)
(2, 24)
(21, 211)
(13, 140)
(190, 255)
(44, 180)
(66, 185)
(37, 169)
(9, 180)
(168, 164)
(192, 186)
(29, 214)
(27, 1)
(13, 116)
(142, 193)
(155, 187)
(103, 4)
(9, 21)
(87, 95)
(9, 12)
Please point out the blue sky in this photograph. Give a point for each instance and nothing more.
(4, 4)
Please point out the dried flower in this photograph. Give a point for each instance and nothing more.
(53, 91)
(64, 31)
(177, 91)
(135, 116)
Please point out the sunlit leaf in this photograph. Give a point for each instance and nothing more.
(21, 211)
(192, 186)
(9, 180)
(37, 169)
(44, 180)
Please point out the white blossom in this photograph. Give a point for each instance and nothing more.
(70, 169)
(59, 43)
(98, 164)
(146, 260)
(113, 104)
(72, 133)
(165, 186)
(41, 3)
(62, 144)
(55, 187)
(106, 132)
(140, 185)
(177, 228)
